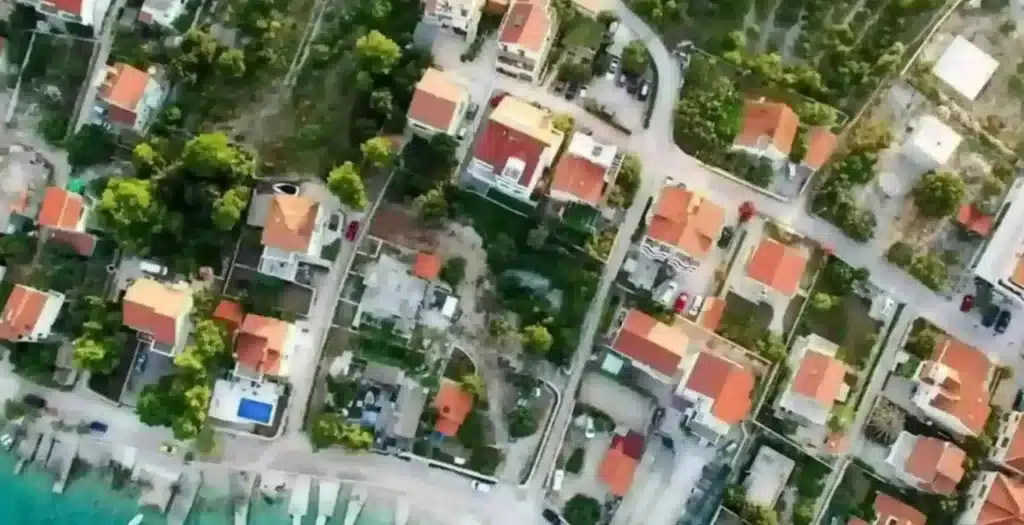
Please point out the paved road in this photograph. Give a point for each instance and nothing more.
(99, 60)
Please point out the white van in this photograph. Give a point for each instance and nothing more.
(480, 486)
(557, 479)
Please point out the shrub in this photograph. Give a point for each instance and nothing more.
(575, 462)
(901, 254)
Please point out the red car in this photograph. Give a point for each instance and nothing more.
(680, 305)
(967, 303)
(352, 230)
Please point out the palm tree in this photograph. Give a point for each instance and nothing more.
(885, 422)
(474, 385)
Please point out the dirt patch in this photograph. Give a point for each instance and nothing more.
(398, 226)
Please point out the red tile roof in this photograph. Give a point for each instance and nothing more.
(83, 243)
(686, 221)
(888, 507)
(453, 405)
(651, 342)
(290, 223)
(435, 100)
(154, 308)
(772, 120)
(820, 144)
(620, 462)
(69, 6)
(579, 177)
(1004, 504)
(728, 384)
(938, 464)
(229, 314)
(122, 90)
(972, 219)
(526, 24)
(60, 208)
(819, 377)
(260, 345)
(778, 266)
(964, 396)
(427, 266)
(21, 313)
(498, 143)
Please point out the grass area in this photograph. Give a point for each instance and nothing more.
(744, 322)
(459, 366)
(846, 324)
(586, 33)
(381, 346)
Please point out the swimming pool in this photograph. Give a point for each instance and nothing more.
(255, 411)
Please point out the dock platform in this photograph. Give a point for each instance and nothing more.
(355, 506)
(328, 500)
(62, 458)
(26, 449)
(182, 503)
(43, 452)
(298, 505)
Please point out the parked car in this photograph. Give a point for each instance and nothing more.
(583, 93)
(34, 401)
(471, 111)
(967, 303)
(666, 296)
(1003, 321)
(645, 91)
(621, 80)
(726, 237)
(632, 86)
(480, 486)
(557, 480)
(571, 91)
(988, 317)
(613, 68)
(680, 305)
(589, 430)
(551, 517)
(698, 302)
(559, 86)
(352, 230)
(462, 133)
(98, 426)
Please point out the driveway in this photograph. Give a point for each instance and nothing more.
(624, 405)
(690, 460)
(648, 484)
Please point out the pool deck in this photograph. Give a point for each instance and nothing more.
(355, 506)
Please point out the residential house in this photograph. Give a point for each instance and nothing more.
(583, 171)
(264, 346)
(1008, 448)
(427, 266)
(22, 180)
(453, 405)
(128, 99)
(714, 395)
(927, 463)
(1001, 264)
(682, 228)
(951, 388)
(517, 144)
(412, 399)
(230, 315)
(29, 314)
(293, 233)
(461, 16)
(994, 499)
(821, 143)
(525, 38)
(774, 271)
(891, 511)
(817, 382)
(63, 215)
(767, 476)
(972, 219)
(930, 144)
(652, 346)
(767, 129)
(393, 296)
(620, 462)
(89, 13)
(161, 12)
(438, 104)
(159, 312)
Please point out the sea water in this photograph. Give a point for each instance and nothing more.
(89, 499)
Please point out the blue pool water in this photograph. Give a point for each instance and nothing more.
(255, 410)
(89, 500)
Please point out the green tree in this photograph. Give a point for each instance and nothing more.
(563, 122)
(231, 63)
(823, 302)
(930, 270)
(146, 160)
(771, 347)
(575, 462)
(939, 194)
(127, 210)
(206, 441)
(377, 53)
(634, 58)
(521, 422)
(431, 207)
(345, 183)
(574, 72)
(212, 157)
(377, 151)
(499, 327)
(922, 342)
(473, 384)
(92, 145)
(582, 510)
(537, 339)
(95, 355)
(454, 271)
(607, 17)
(227, 210)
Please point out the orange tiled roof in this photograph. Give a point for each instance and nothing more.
(711, 313)
(1004, 504)
(291, 222)
(730, 386)
(687, 221)
(651, 342)
(453, 405)
(888, 507)
(154, 308)
(820, 144)
(60, 208)
(819, 377)
(939, 464)
(427, 266)
(435, 100)
(971, 218)
(122, 91)
(1018, 272)
(777, 265)
(619, 466)
(261, 341)
(21, 313)
(83, 243)
(967, 397)
(230, 314)
(772, 120)
(579, 177)
(1015, 451)
(526, 24)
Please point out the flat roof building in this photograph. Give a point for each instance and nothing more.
(767, 476)
(1002, 262)
(965, 67)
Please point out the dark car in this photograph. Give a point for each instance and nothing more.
(726, 237)
(559, 86)
(551, 517)
(632, 86)
(352, 230)
(34, 401)
(571, 91)
(1003, 321)
(98, 427)
(988, 317)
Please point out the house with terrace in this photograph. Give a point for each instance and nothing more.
(29, 314)
(650, 345)
(402, 295)
(891, 511)
(714, 395)
(63, 216)
(682, 228)
(927, 463)
(1001, 263)
(773, 274)
(128, 99)
(951, 388)
(584, 170)
(821, 143)
(438, 104)
(161, 12)
(1008, 449)
(89, 13)
(453, 405)
(159, 312)
(264, 347)
(293, 233)
(767, 130)
(460, 16)
(525, 38)
(815, 385)
(518, 143)
(618, 468)
(994, 499)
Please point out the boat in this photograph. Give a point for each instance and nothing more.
(137, 520)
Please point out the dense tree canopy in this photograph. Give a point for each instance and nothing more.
(377, 53)
(939, 194)
(345, 182)
(634, 58)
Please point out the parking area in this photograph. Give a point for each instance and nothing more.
(586, 481)
(620, 97)
(624, 405)
(147, 369)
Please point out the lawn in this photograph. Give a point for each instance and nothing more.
(744, 322)
(459, 366)
(586, 33)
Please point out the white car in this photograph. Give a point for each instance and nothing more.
(669, 294)
(557, 479)
(613, 69)
(695, 306)
(589, 431)
(480, 486)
